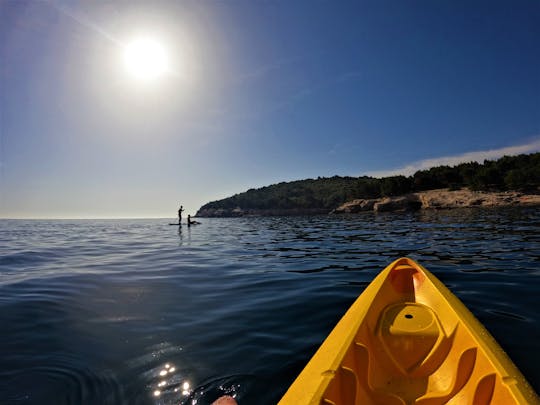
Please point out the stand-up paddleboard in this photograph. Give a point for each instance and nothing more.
(176, 224)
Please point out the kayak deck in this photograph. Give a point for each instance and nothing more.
(408, 340)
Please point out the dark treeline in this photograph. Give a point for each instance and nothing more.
(508, 173)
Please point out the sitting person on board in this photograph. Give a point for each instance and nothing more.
(190, 222)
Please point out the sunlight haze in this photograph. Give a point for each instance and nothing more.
(129, 109)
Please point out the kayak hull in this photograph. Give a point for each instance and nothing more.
(408, 340)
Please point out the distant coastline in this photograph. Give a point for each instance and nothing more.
(509, 181)
(426, 200)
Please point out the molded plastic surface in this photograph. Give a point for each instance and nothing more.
(407, 340)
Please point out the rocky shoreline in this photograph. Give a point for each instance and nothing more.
(439, 199)
(432, 199)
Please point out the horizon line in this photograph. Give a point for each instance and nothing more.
(407, 170)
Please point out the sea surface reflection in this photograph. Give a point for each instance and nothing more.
(138, 312)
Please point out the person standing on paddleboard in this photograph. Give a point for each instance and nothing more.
(180, 210)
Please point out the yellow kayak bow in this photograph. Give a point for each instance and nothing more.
(407, 340)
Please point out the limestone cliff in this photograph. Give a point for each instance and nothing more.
(439, 199)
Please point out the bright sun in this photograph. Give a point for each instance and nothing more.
(145, 59)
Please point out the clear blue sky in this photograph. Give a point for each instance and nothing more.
(257, 92)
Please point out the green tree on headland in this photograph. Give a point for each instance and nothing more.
(507, 173)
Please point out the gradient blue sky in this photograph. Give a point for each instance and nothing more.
(260, 92)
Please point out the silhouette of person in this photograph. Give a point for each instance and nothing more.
(190, 221)
(180, 210)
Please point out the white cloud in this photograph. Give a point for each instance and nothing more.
(478, 156)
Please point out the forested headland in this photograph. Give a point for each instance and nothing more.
(324, 194)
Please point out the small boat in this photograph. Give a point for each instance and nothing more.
(407, 340)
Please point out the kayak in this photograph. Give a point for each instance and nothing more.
(408, 340)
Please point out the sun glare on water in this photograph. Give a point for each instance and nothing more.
(145, 59)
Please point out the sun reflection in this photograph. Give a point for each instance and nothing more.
(185, 388)
(169, 384)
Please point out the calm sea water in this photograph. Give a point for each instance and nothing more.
(135, 312)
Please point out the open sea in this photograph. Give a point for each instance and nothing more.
(138, 312)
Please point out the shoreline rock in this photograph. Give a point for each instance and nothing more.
(409, 202)
(439, 199)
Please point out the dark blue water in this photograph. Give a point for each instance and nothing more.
(134, 312)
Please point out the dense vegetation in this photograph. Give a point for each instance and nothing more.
(508, 173)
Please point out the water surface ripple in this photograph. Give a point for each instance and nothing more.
(135, 312)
